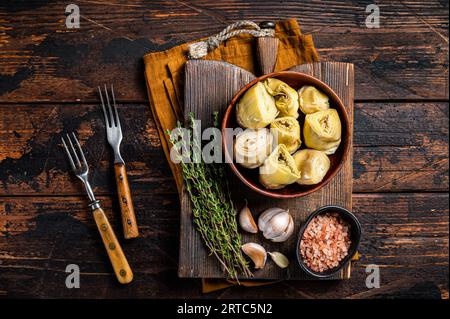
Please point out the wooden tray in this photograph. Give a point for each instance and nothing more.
(209, 87)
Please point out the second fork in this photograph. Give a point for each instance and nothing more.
(114, 136)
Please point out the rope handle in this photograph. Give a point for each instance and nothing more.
(200, 49)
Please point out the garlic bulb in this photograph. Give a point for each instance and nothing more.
(257, 254)
(279, 259)
(246, 220)
(276, 224)
(286, 130)
(252, 147)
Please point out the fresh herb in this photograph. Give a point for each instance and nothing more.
(213, 212)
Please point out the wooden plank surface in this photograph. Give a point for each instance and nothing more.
(209, 87)
(406, 234)
(42, 60)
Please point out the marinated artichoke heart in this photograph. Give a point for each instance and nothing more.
(252, 147)
(256, 109)
(286, 130)
(286, 98)
(322, 131)
(313, 164)
(312, 100)
(279, 169)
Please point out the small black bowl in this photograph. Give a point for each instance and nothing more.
(355, 236)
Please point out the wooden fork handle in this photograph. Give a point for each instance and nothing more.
(266, 52)
(116, 256)
(130, 229)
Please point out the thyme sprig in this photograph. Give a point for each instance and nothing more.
(213, 211)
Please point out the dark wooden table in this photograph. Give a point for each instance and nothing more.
(48, 76)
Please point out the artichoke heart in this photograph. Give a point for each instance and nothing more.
(313, 164)
(322, 131)
(312, 100)
(256, 109)
(279, 169)
(286, 98)
(252, 147)
(287, 131)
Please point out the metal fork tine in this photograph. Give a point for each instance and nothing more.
(72, 164)
(103, 107)
(81, 151)
(73, 150)
(115, 107)
(109, 108)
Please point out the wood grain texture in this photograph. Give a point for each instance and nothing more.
(209, 87)
(42, 60)
(129, 224)
(115, 253)
(405, 233)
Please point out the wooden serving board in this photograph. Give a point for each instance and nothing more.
(209, 87)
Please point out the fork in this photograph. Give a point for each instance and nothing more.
(81, 169)
(114, 136)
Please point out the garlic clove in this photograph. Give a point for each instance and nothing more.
(287, 233)
(267, 215)
(277, 225)
(246, 220)
(257, 254)
(281, 260)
